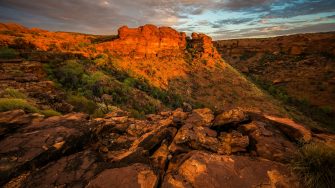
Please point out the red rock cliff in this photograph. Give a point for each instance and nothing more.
(151, 41)
(147, 41)
(203, 44)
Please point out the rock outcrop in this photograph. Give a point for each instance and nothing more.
(147, 41)
(200, 169)
(170, 149)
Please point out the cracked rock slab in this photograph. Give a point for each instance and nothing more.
(136, 175)
(39, 143)
(199, 169)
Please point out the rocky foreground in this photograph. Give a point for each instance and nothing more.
(190, 148)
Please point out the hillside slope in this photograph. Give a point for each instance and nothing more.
(297, 69)
(187, 67)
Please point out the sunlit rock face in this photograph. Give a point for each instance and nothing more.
(151, 41)
(147, 41)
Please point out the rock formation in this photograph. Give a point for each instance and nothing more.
(170, 149)
(147, 41)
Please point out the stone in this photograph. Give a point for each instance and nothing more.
(292, 129)
(201, 117)
(191, 136)
(200, 169)
(136, 175)
(39, 143)
(232, 142)
(12, 120)
(230, 119)
(268, 141)
(160, 157)
(69, 171)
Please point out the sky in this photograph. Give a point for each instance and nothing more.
(221, 19)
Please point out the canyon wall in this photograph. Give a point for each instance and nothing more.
(294, 45)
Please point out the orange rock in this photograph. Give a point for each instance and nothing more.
(147, 41)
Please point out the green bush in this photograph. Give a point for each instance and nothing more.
(137, 114)
(8, 53)
(50, 113)
(315, 165)
(12, 93)
(82, 104)
(98, 113)
(7, 104)
(70, 75)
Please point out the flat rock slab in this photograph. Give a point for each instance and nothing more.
(136, 175)
(200, 169)
(39, 143)
(71, 171)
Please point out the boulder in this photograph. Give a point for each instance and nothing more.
(232, 142)
(200, 169)
(268, 141)
(292, 129)
(201, 117)
(191, 136)
(42, 142)
(70, 171)
(12, 120)
(136, 175)
(230, 119)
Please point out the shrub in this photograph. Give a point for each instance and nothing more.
(247, 55)
(50, 113)
(136, 114)
(8, 53)
(21, 43)
(12, 93)
(82, 104)
(105, 38)
(7, 104)
(70, 75)
(98, 113)
(315, 165)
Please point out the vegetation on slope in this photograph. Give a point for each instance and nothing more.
(12, 99)
(315, 165)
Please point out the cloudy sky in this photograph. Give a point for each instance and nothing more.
(222, 19)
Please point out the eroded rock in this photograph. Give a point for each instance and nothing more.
(268, 141)
(71, 171)
(232, 142)
(230, 119)
(200, 169)
(136, 175)
(41, 142)
(292, 129)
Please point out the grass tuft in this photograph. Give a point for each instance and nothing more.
(315, 165)
(12, 93)
(50, 113)
(7, 104)
(8, 53)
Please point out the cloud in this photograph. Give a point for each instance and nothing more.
(105, 16)
(234, 21)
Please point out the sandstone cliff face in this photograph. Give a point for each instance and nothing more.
(147, 41)
(300, 67)
(203, 44)
(293, 45)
